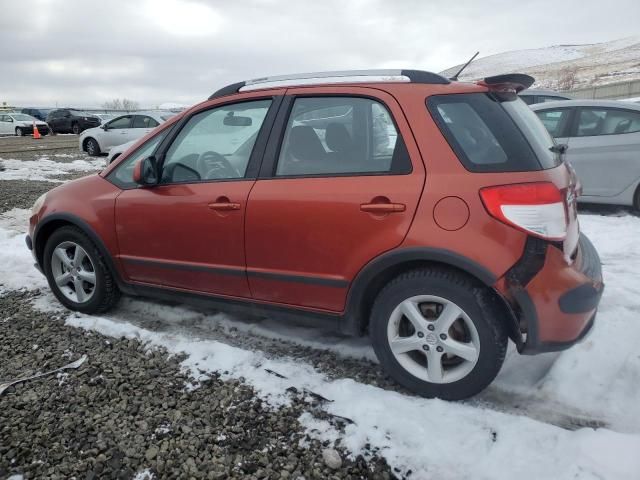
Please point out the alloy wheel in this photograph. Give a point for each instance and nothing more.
(73, 272)
(433, 339)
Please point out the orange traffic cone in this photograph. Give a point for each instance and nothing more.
(36, 133)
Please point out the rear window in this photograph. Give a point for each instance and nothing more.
(493, 135)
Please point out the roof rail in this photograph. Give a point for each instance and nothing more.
(345, 76)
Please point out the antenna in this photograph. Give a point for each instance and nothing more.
(455, 77)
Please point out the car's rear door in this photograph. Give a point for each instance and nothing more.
(141, 125)
(604, 149)
(188, 231)
(339, 185)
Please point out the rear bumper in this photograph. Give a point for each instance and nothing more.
(554, 303)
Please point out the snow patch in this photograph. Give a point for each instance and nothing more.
(43, 169)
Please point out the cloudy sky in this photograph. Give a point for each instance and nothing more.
(83, 52)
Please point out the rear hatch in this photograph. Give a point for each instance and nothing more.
(496, 132)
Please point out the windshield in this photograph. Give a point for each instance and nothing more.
(21, 117)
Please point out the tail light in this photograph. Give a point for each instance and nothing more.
(536, 208)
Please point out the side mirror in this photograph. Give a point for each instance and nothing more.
(145, 172)
(104, 127)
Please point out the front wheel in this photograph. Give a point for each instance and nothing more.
(92, 147)
(77, 272)
(438, 334)
(19, 132)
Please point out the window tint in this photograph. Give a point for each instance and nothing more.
(341, 135)
(528, 99)
(122, 176)
(121, 122)
(554, 121)
(143, 121)
(493, 135)
(215, 144)
(607, 121)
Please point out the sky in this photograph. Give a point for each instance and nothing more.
(84, 52)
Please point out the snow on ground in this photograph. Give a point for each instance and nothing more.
(433, 438)
(45, 169)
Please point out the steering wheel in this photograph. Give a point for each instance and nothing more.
(214, 165)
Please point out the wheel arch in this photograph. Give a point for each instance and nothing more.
(378, 272)
(53, 222)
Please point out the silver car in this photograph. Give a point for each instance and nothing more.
(531, 96)
(603, 137)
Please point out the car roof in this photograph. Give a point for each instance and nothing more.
(551, 93)
(585, 103)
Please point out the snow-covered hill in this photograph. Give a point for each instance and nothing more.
(553, 67)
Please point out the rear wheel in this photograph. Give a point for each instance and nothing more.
(92, 147)
(77, 272)
(438, 334)
(75, 128)
(19, 132)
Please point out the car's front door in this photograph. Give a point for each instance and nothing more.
(604, 149)
(342, 189)
(188, 231)
(116, 132)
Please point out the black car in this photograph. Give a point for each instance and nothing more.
(69, 120)
(39, 113)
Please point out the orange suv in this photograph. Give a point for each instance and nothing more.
(437, 216)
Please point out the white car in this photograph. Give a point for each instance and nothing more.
(115, 152)
(20, 124)
(120, 130)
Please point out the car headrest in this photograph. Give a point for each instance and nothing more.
(338, 138)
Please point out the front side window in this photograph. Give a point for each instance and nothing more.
(120, 122)
(341, 135)
(215, 144)
(555, 121)
(122, 176)
(607, 121)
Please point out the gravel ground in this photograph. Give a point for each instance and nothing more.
(126, 410)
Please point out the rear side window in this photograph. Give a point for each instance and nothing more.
(328, 136)
(493, 135)
(555, 121)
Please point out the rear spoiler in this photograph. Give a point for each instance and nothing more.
(510, 82)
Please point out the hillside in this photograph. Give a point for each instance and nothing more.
(563, 67)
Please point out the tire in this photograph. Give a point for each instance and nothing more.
(103, 296)
(19, 132)
(636, 200)
(113, 159)
(75, 129)
(92, 148)
(476, 332)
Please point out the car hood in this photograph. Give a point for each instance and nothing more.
(90, 131)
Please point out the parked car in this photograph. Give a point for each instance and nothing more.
(280, 195)
(20, 124)
(105, 117)
(69, 120)
(531, 96)
(120, 130)
(39, 113)
(116, 151)
(603, 139)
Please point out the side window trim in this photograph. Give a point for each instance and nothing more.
(276, 139)
(258, 148)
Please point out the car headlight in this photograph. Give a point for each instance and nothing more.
(38, 204)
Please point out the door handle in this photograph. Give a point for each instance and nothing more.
(224, 206)
(383, 207)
